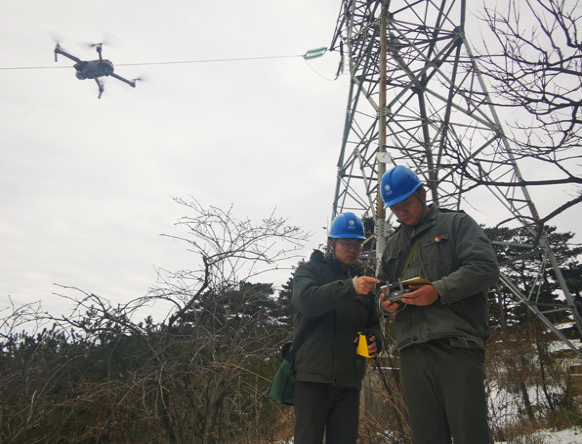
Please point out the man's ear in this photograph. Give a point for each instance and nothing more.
(330, 244)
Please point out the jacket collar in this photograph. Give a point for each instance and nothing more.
(424, 225)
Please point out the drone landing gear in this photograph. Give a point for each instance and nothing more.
(100, 85)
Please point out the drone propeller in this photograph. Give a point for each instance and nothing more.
(101, 41)
(57, 41)
(56, 38)
(104, 41)
(140, 79)
(99, 48)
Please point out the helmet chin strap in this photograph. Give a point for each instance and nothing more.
(331, 243)
(425, 209)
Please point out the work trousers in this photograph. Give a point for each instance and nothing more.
(444, 391)
(325, 409)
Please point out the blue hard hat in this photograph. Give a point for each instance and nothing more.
(397, 184)
(347, 226)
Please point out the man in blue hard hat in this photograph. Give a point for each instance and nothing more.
(441, 327)
(333, 303)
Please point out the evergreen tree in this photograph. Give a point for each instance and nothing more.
(514, 247)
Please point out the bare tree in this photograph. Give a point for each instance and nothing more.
(198, 376)
(231, 250)
(533, 58)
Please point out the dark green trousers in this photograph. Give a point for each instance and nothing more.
(325, 409)
(445, 394)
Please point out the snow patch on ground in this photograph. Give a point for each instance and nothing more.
(568, 436)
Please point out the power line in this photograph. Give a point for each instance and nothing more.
(14, 68)
(237, 59)
(209, 60)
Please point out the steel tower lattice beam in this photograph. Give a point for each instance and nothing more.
(417, 98)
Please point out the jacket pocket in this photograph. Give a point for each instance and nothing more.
(435, 239)
(438, 256)
(390, 262)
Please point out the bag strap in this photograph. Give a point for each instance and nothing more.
(410, 255)
(414, 248)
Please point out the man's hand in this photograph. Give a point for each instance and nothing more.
(372, 347)
(387, 305)
(364, 284)
(422, 295)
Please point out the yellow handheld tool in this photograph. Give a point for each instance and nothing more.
(362, 348)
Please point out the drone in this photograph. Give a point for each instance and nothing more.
(93, 69)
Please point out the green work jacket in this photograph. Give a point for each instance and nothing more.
(327, 304)
(456, 256)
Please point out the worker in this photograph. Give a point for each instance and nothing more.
(440, 327)
(334, 302)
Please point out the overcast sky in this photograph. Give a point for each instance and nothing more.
(86, 185)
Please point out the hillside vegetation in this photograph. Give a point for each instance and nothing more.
(200, 374)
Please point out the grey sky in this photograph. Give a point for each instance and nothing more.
(86, 185)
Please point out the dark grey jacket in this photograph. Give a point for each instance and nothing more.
(456, 256)
(327, 304)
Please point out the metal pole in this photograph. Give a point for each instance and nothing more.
(381, 224)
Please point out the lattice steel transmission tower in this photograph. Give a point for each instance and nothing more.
(416, 98)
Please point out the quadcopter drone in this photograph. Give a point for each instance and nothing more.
(93, 69)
